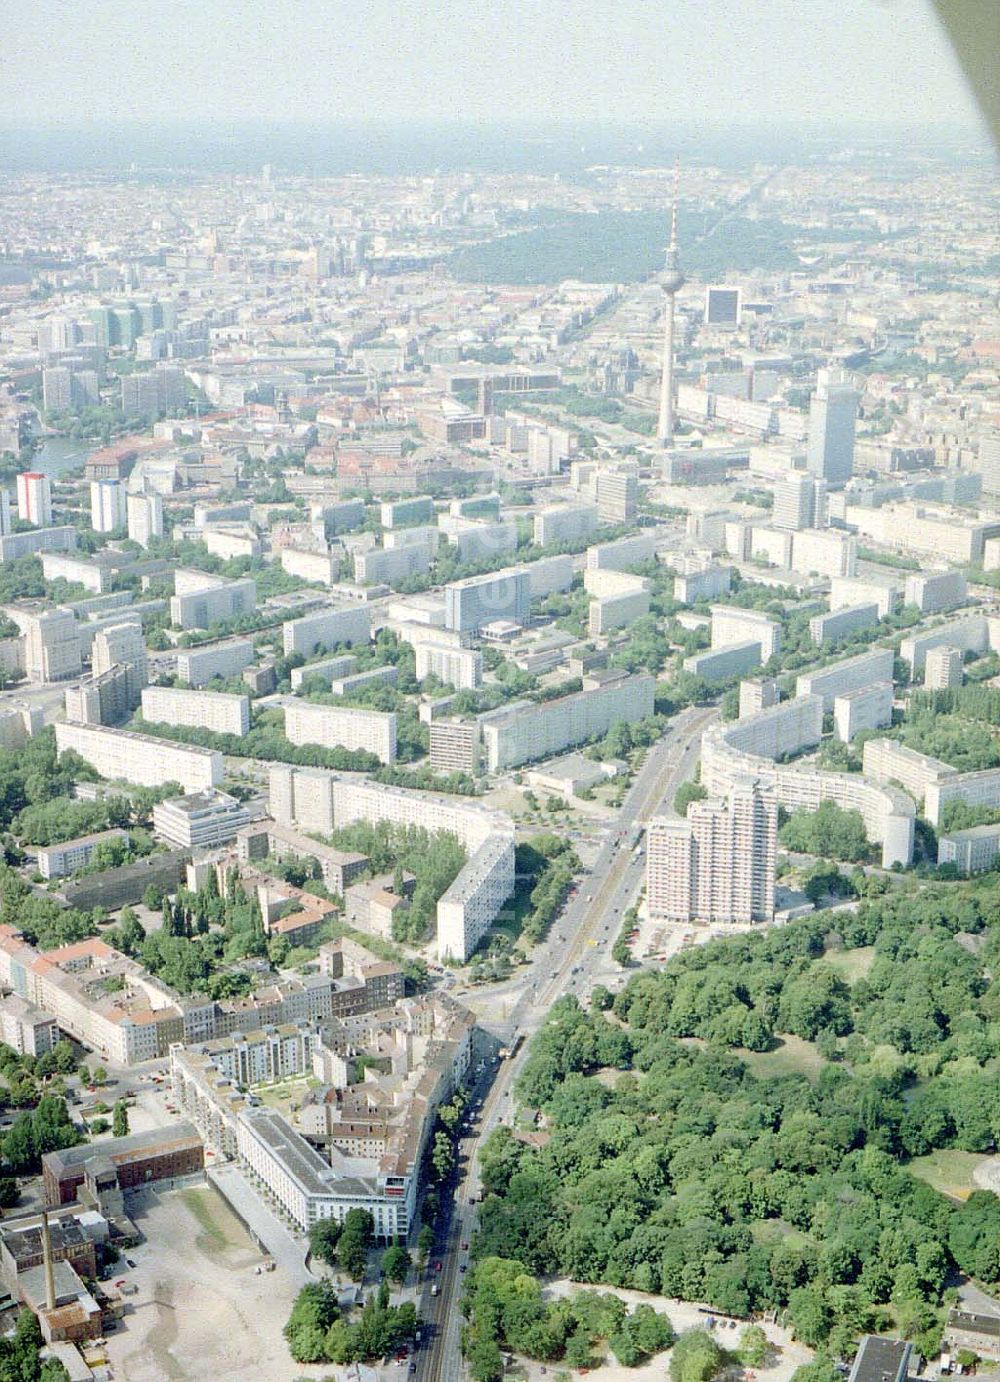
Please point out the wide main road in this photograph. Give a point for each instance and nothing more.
(589, 927)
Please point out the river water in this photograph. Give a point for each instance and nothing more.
(56, 455)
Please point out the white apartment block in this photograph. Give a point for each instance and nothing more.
(14, 546)
(971, 851)
(475, 540)
(718, 865)
(458, 667)
(824, 552)
(348, 728)
(540, 730)
(827, 628)
(618, 599)
(144, 513)
(863, 590)
(322, 568)
(327, 669)
(25, 1028)
(548, 574)
(974, 789)
(870, 707)
(935, 591)
(198, 666)
(749, 747)
(139, 758)
(757, 694)
(326, 630)
(851, 674)
(564, 523)
(107, 505)
(211, 601)
(52, 648)
(218, 711)
(624, 554)
(319, 802)
(55, 861)
(976, 633)
(943, 668)
(706, 584)
(887, 760)
(76, 568)
(34, 498)
(731, 624)
(123, 645)
(719, 664)
(385, 565)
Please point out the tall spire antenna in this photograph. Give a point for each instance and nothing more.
(672, 282)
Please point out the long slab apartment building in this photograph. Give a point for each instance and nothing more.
(318, 801)
(140, 758)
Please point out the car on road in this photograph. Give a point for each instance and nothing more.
(465, 1247)
(463, 1267)
(437, 1267)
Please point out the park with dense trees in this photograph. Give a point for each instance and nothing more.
(703, 1164)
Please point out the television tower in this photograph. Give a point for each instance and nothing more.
(672, 282)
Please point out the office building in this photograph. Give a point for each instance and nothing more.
(34, 498)
(123, 645)
(799, 502)
(833, 412)
(479, 600)
(107, 505)
(145, 517)
(332, 727)
(200, 820)
(943, 668)
(723, 306)
(139, 758)
(52, 647)
(717, 865)
(616, 490)
(218, 711)
(327, 629)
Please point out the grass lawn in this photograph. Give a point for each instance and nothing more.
(282, 1096)
(947, 1171)
(851, 965)
(205, 1210)
(792, 1056)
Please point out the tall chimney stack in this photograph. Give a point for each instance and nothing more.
(50, 1280)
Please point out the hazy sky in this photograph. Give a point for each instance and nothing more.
(615, 60)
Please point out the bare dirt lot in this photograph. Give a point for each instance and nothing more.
(200, 1311)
